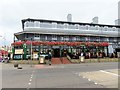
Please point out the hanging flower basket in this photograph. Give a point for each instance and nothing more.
(19, 43)
(53, 43)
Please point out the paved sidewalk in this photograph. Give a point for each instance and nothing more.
(107, 78)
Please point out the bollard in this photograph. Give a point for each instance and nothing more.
(16, 65)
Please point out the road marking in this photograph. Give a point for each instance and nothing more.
(109, 73)
(89, 80)
(31, 76)
(30, 80)
(95, 83)
(29, 83)
(83, 77)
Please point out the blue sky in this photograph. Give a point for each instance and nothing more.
(13, 11)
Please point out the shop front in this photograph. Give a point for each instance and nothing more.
(35, 49)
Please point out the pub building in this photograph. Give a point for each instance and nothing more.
(62, 38)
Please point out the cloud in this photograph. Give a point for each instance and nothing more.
(13, 11)
(7, 36)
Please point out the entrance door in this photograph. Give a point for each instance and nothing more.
(56, 52)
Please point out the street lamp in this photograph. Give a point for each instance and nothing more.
(31, 52)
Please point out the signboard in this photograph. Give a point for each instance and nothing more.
(42, 59)
(55, 47)
(17, 57)
(24, 45)
(35, 55)
(82, 58)
(18, 51)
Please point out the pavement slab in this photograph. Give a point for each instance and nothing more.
(107, 78)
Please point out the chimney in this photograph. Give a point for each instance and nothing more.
(69, 17)
(95, 20)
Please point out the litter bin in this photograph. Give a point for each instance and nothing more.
(82, 59)
(42, 60)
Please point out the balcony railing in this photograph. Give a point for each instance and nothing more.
(38, 24)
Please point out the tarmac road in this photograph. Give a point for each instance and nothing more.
(56, 76)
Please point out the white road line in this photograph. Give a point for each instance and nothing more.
(30, 80)
(83, 77)
(109, 73)
(29, 83)
(89, 80)
(95, 83)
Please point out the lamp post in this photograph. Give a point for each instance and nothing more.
(31, 52)
(98, 48)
